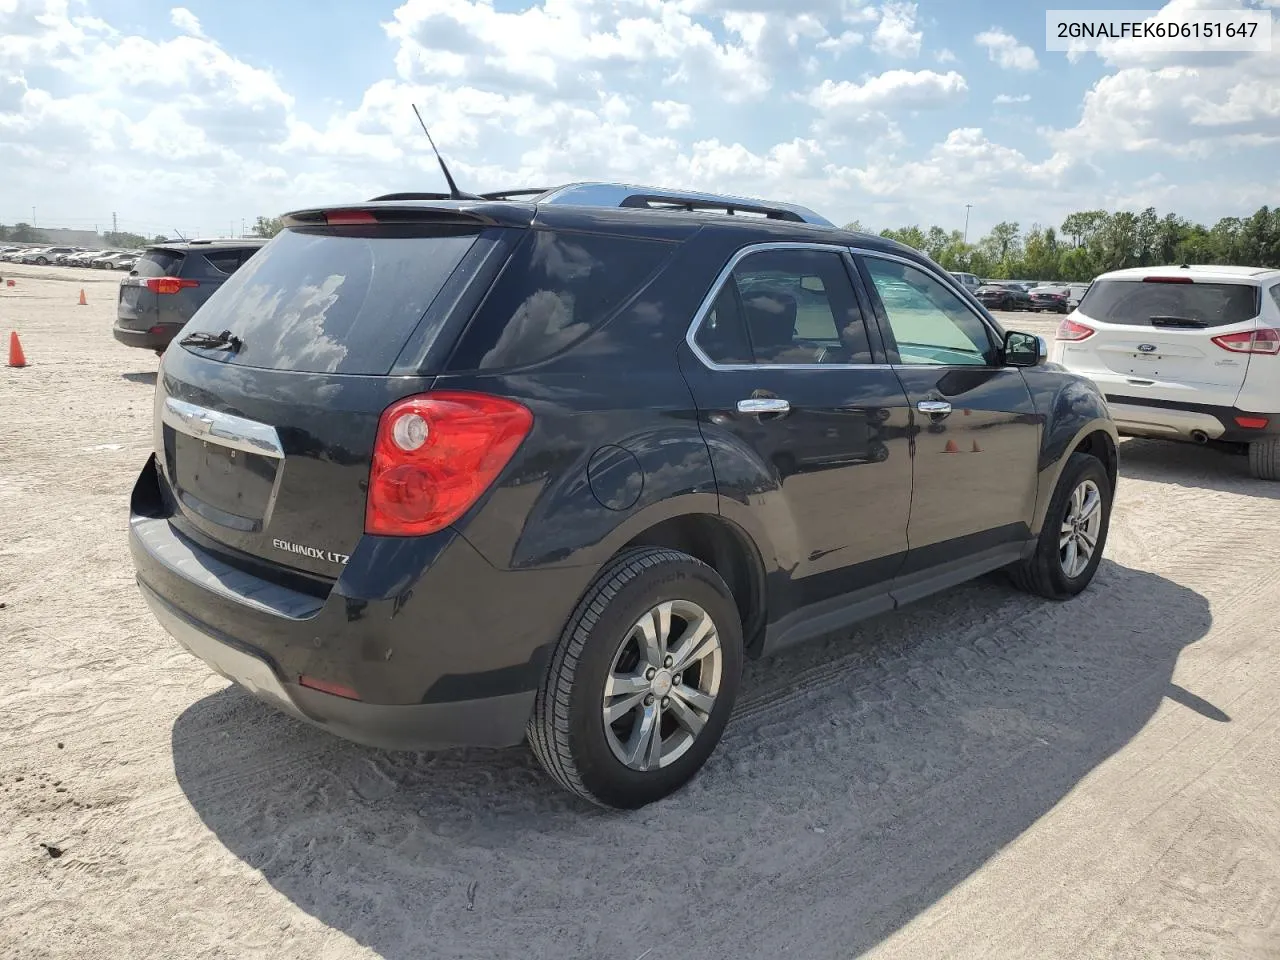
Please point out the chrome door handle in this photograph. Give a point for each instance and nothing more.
(757, 405)
(933, 407)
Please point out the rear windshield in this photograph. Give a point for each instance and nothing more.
(319, 300)
(159, 263)
(1135, 302)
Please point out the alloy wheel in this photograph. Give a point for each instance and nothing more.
(662, 685)
(1080, 529)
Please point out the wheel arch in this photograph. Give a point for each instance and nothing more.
(729, 550)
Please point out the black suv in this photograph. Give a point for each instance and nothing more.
(170, 282)
(433, 472)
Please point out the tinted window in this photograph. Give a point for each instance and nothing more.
(332, 301)
(1136, 302)
(930, 323)
(795, 307)
(159, 263)
(556, 289)
(224, 261)
(722, 335)
(1275, 294)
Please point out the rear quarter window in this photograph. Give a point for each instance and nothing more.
(556, 289)
(1136, 303)
(224, 261)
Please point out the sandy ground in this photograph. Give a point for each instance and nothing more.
(983, 776)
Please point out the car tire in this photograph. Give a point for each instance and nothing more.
(1007, 304)
(1046, 573)
(42, 261)
(568, 732)
(1264, 459)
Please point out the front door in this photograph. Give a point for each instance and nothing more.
(789, 379)
(976, 435)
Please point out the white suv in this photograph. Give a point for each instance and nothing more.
(1184, 353)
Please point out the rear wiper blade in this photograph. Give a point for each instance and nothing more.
(1163, 321)
(213, 341)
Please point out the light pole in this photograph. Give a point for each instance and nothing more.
(967, 208)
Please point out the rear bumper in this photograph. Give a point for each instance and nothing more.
(438, 647)
(1176, 420)
(156, 337)
(487, 722)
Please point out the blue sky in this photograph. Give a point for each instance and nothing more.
(196, 116)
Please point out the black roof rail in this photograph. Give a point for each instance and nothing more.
(410, 196)
(522, 192)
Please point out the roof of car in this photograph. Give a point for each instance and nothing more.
(672, 224)
(1206, 272)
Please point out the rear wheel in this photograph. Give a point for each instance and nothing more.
(1074, 534)
(642, 682)
(1264, 458)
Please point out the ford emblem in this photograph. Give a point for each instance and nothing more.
(1147, 347)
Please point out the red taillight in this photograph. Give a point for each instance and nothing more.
(325, 686)
(1167, 280)
(337, 218)
(1252, 423)
(435, 454)
(169, 284)
(1265, 340)
(1070, 330)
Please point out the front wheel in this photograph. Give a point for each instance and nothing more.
(642, 682)
(1074, 534)
(1264, 458)
(42, 261)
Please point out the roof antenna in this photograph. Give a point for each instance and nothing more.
(180, 236)
(454, 192)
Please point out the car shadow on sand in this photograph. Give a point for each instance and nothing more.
(860, 780)
(1189, 465)
(143, 377)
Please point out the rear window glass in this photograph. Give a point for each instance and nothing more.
(1134, 302)
(557, 288)
(159, 263)
(326, 301)
(224, 261)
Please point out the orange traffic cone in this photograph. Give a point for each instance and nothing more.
(16, 357)
(976, 448)
(83, 301)
(951, 447)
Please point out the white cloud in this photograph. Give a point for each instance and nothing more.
(1004, 98)
(945, 56)
(896, 34)
(186, 21)
(1004, 50)
(893, 89)
(674, 115)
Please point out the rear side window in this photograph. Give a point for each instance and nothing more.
(159, 263)
(323, 300)
(784, 307)
(224, 261)
(556, 289)
(1275, 294)
(1197, 304)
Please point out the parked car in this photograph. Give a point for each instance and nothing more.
(1051, 298)
(435, 472)
(1185, 353)
(1075, 293)
(62, 259)
(43, 256)
(968, 281)
(116, 260)
(9, 253)
(83, 259)
(169, 283)
(100, 261)
(1004, 295)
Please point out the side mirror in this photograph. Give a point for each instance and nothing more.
(1024, 349)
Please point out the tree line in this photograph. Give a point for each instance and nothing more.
(1094, 241)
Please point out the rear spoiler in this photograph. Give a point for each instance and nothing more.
(415, 209)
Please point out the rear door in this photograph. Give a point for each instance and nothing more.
(1153, 338)
(265, 444)
(785, 369)
(976, 433)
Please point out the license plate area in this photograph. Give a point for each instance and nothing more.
(224, 468)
